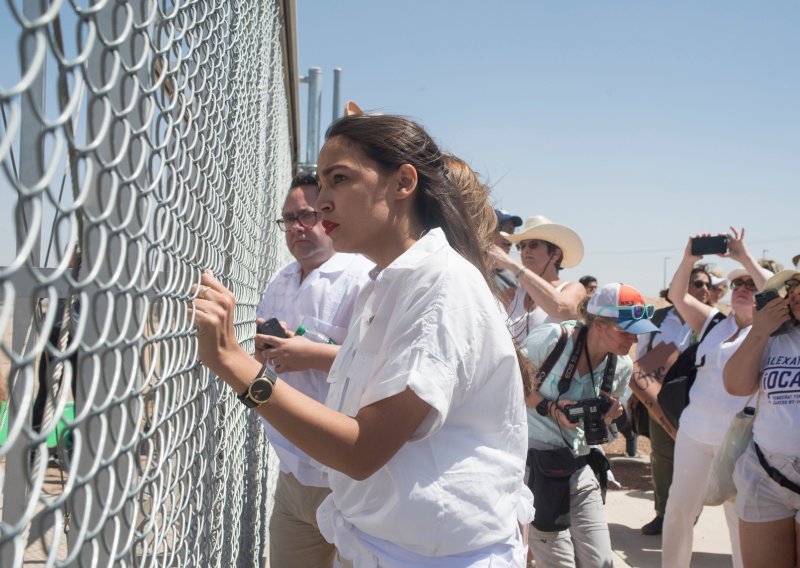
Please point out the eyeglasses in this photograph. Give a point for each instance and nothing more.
(532, 244)
(306, 219)
(635, 312)
(700, 284)
(747, 283)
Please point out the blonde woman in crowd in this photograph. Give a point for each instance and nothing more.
(705, 420)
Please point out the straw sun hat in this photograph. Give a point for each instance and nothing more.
(542, 228)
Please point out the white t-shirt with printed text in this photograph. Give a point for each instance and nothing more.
(777, 421)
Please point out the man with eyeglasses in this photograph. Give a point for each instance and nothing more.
(317, 290)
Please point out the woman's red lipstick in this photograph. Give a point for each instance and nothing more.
(329, 226)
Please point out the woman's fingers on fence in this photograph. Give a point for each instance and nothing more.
(207, 278)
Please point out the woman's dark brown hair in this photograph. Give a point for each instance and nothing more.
(392, 141)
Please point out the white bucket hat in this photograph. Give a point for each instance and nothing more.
(542, 228)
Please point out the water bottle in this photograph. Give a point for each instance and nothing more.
(314, 336)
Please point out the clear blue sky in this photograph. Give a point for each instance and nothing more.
(636, 123)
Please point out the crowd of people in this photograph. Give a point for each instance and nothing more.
(436, 401)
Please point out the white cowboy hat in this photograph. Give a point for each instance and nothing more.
(778, 281)
(542, 228)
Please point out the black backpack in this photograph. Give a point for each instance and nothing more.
(674, 394)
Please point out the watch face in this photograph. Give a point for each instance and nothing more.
(260, 391)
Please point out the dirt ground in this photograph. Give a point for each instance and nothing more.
(631, 473)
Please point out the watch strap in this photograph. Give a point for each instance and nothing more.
(543, 408)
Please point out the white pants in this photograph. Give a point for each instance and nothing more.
(686, 494)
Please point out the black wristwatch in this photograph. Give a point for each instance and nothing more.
(260, 389)
(543, 408)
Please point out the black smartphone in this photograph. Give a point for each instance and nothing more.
(709, 245)
(764, 298)
(271, 327)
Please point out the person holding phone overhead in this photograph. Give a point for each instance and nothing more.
(423, 431)
(705, 421)
(318, 290)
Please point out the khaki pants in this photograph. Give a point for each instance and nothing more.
(586, 543)
(295, 540)
(662, 460)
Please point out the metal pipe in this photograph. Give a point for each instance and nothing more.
(314, 114)
(337, 87)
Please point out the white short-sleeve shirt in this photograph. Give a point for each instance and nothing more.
(323, 302)
(429, 323)
(673, 330)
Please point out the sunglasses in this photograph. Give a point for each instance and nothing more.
(306, 219)
(791, 284)
(626, 313)
(532, 244)
(747, 283)
(700, 284)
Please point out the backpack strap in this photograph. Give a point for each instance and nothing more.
(715, 319)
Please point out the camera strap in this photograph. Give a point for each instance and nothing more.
(572, 365)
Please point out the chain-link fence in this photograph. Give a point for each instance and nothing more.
(141, 142)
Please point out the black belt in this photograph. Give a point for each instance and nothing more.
(774, 474)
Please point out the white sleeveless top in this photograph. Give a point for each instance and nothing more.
(522, 322)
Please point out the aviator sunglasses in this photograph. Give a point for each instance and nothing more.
(532, 244)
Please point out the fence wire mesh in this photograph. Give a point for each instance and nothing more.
(142, 142)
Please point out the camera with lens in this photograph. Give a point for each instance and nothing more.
(592, 412)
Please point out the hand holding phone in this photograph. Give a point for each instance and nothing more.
(709, 245)
(272, 327)
(764, 298)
